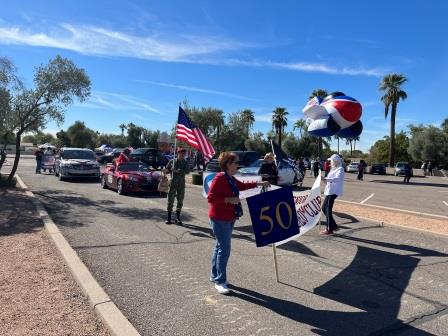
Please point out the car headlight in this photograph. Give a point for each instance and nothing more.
(133, 179)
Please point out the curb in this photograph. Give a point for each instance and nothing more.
(421, 214)
(112, 317)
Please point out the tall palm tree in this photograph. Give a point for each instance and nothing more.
(279, 122)
(300, 125)
(349, 141)
(321, 93)
(391, 86)
(123, 127)
(217, 122)
(248, 118)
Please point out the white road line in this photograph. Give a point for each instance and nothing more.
(445, 203)
(362, 202)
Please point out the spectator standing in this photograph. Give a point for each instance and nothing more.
(333, 189)
(407, 173)
(123, 157)
(327, 167)
(224, 209)
(199, 160)
(424, 167)
(39, 154)
(316, 167)
(361, 166)
(178, 168)
(268, 169)
(430, 168)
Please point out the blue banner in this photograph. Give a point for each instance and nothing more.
(273, 216)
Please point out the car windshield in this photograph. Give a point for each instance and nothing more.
(401, 164)
(257, 163)
(78, 154)
(127, 167)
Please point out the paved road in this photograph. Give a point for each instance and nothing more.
(367, 280)
(428, 194)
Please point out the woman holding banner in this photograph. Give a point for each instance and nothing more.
(224, 209)
(333, 189)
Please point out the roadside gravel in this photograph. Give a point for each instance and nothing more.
(38, 294)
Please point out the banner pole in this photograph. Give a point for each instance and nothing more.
(275, 262)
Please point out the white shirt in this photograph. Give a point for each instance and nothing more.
(335, 182)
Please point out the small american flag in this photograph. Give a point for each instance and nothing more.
(187, 131)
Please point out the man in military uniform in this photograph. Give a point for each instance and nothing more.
(178, 168)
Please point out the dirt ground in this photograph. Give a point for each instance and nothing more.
(389, 217)
(38, 295)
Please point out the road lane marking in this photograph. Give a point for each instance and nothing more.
(362, 202)
(445, 203)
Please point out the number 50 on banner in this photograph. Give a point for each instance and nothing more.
(273, 216)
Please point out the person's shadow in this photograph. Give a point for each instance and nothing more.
(374, 282)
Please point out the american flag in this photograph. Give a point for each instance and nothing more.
(187, 131)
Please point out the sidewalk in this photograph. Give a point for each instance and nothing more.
(39, 295)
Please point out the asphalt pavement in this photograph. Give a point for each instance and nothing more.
(366, 280)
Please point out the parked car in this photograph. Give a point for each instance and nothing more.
(245, 159)
(151, 156)
(76, 162)
(111, 156)
(130, 177)
(400, 169)
(378, 168)
(352, 167)
(286, 174)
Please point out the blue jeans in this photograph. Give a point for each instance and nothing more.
(221, 252)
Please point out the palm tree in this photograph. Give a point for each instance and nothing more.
(279, 122)
(300, 125)
(349, 141)
(123, 127)
(248, 118)
(337, 138)
(391, 86)
(321, 93)
(217, 121)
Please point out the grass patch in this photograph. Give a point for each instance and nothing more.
(4, 181)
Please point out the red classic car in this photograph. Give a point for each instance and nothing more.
(130, 177)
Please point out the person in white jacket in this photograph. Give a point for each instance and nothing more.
(333, 189)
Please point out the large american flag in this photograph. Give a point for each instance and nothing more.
(187, 131)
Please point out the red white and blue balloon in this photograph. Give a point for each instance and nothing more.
(336, 114)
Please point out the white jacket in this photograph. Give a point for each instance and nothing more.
(335, 182)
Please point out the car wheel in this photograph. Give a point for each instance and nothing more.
(103, 182)
(61, 178)
(120, 190)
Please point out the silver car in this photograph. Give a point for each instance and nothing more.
(76, 162)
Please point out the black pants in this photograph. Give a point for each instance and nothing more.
(360, 174)
(406, 178)
(328, 211)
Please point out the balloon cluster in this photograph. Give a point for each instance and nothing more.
(336, 114)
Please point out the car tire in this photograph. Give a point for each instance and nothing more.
(120, 187)
(61, 178)
(103, 182)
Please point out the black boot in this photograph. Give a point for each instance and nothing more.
(168, 219)
(178, 221)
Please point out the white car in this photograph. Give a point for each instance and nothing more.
(76, 162)
(352, 167)
(286, 175)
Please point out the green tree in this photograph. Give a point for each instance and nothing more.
(258, 142)
(62, 140)
(300, 125)
(122, 127)
(56, 85)
(391, 86)
(248, 118)
(135, 134)
(279, 122)
(445, 126)
(430, 144)
(379, 152)
(81, 136)
(40, 138)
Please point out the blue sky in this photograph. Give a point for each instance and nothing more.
(144, 57)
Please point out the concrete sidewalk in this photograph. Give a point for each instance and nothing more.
(39, 295)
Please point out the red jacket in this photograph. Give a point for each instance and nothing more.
(219, 190)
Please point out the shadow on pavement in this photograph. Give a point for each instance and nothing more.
(426, 184)
(17, 213)
(374, 283)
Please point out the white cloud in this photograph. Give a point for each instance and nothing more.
(97, 41)
(116, 101)
(195, 89)
(264, 117)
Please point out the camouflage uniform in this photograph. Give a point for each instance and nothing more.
(177, 186)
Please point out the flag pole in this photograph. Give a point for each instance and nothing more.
(274, 251)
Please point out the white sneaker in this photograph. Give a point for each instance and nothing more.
(222, 289)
